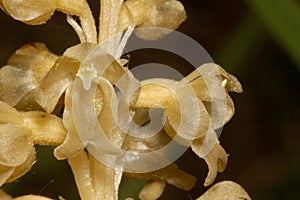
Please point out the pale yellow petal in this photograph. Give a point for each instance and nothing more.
(15, 144)
(165, 14)
(225, 111)
(171, 174)
(72, 144)
(152, 190)
(225, 190)
(81, 9)
(23, 168)
(105, 180)
(5, 173)
(80, 166)
(79, 51)
(24, 71)
(46, 129)
(32, 197)
(30, 11)
(108, 19)
(8, 114)
(186, 115)
(35, 12)
(149, 144)
(229, 108)
(56, 82)
(202, 76)
(216, 159)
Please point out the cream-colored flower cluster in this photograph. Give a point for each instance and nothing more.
(35, 85)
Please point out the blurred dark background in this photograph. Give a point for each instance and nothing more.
(256, 40)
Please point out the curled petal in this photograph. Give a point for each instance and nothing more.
(30, 11)
(106, 117)
(81, 9)
(148, 144)
(35, 12)
(171, 174)
(152, 190)
(165, 14)
(202, 76)
(72, 144)
(23, 168)
(225, 190)
(56, 82)
(232, 84)
(180, 104)
(5, 173)
(24, 71)
(216, 159)
(15, 144)
(211, 84)
(225, 111)
(229, 108)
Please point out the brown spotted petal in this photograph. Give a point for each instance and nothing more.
(24, 71)
(225, 190)
(165, 14)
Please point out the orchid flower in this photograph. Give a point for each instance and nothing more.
(35, 85)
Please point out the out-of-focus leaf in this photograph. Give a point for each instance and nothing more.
(241, 45)
(282, 17)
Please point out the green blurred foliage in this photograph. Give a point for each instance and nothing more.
(256, 40)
